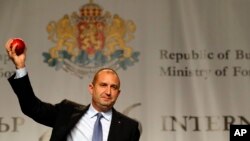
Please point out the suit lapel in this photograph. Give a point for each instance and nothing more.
(65, 130)
(114, 126)
(76, 117)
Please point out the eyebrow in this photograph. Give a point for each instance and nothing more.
(112, 85)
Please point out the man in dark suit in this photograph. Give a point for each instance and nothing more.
(71, 121)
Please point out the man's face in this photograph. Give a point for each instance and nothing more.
(105, 91)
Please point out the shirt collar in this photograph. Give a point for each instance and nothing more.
(92, 112)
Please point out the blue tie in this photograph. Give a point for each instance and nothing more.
(97, 133)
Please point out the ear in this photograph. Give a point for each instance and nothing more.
(91, 88)
(119, 92)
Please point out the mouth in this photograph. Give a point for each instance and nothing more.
(106, 98)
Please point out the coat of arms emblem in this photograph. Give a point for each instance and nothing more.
(89, 40)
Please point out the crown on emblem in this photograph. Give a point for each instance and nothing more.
(91, 12)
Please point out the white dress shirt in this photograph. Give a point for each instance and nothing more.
(84, 128)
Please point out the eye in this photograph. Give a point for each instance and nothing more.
(103, 84)
(115, 87)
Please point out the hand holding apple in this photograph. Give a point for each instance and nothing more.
(19, 44)
(15, 48)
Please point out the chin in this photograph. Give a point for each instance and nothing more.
(107, 104)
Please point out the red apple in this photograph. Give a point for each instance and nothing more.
(20, 45)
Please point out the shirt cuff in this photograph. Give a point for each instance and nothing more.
(21, 73)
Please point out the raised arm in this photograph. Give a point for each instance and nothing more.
(31, 106)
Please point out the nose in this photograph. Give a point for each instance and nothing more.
(108, 90)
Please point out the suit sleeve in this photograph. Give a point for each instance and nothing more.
(31, 106)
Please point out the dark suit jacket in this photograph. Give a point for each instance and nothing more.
(62, 117)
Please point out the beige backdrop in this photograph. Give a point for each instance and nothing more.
(190, 83)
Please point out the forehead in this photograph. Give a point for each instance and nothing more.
(108, 75)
